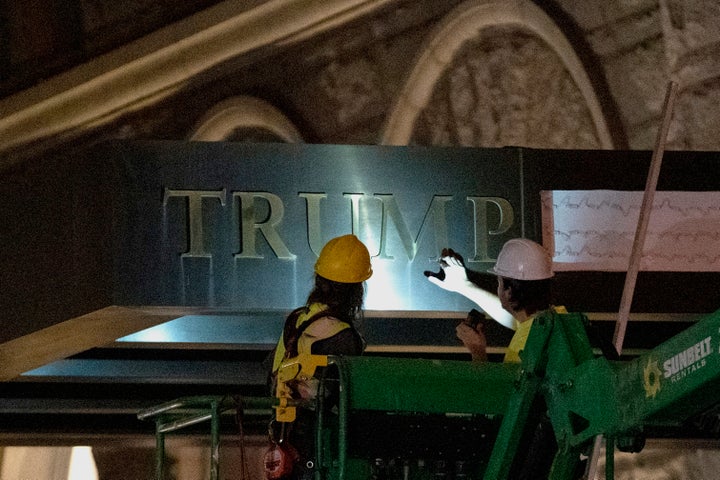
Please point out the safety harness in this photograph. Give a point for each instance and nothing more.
(297, 322)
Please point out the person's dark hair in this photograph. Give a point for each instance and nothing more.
(529, 295)
(344, 300)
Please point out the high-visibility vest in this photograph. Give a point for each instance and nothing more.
(517, 343)
(297, 339)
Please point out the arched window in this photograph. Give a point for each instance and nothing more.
(497, 73)
(245, 119)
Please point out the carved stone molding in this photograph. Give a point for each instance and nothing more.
(155, 68)
(243, 112)
(471, 81)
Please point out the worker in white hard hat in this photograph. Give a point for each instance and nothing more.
(524, 273)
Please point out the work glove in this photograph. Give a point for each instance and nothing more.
(452, 275)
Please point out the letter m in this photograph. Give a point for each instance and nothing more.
(434, 218)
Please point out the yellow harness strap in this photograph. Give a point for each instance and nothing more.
(326, 329)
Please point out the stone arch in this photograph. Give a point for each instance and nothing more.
(461, 26)
(244, 113)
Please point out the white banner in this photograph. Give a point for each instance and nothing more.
(595, 230)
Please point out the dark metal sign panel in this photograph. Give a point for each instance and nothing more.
(239, 225)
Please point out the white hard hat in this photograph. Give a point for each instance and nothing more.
(523, 259)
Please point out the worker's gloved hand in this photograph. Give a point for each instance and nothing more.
(452, 275)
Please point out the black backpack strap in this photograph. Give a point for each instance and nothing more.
(292, 333)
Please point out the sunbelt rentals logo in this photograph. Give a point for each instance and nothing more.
(676, 367)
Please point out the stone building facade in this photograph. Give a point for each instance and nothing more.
(562, 74)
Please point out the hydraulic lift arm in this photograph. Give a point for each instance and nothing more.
(587, 396)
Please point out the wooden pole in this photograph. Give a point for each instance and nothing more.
(637, 248)
(643, 220)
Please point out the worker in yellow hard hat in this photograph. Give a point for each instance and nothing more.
(524, 273)
(325, 325)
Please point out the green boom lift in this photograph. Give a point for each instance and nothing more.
(393, 415)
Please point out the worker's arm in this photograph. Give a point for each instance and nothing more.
(456, 280)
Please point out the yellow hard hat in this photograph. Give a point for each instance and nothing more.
(344, 259)
(523, 259)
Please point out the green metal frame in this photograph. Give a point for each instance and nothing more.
(405, 386)
(184, 412)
